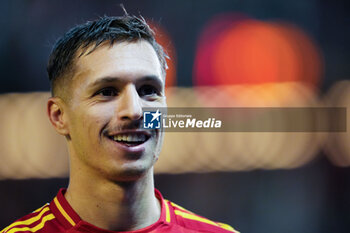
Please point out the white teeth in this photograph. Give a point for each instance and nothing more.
(129, 137)
(117, 137)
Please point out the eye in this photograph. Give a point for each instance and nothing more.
(148, 90)
(107, 92)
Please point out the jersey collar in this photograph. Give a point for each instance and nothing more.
(70, 219)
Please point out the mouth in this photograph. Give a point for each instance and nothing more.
(130, 138)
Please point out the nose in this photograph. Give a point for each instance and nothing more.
(129, 105)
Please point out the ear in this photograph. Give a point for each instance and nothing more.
(57, 117)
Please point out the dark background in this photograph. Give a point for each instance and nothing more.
(310, 199)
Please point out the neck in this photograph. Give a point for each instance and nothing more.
(112, 205)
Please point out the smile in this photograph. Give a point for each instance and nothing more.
(130, 138)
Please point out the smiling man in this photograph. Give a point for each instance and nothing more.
(102, 74)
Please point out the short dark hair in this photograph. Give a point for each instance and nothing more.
(105, 29)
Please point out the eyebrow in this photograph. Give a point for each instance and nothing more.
(108, 80)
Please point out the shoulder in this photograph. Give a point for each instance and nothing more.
(197, 223)
(33, 222)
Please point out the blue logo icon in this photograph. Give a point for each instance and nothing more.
(151, 120)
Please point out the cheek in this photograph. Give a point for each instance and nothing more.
(98, 117)
(159, 144)
(87, 124)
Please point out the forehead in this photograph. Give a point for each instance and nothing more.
(123, 60)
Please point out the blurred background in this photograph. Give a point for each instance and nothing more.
(224, 53)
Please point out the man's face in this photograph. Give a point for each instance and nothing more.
(104, 116)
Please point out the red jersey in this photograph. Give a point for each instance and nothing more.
(58, 216)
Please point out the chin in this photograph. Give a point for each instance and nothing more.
(130, 172)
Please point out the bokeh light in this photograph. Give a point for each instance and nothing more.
(29, 146)
(203, 72)
(237, 50)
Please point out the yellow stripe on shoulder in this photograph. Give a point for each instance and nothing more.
(39, 209)
(179, 207)
(227, 227)
(204, 220)
(35, 228)
(195, 217)
(29, 221)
